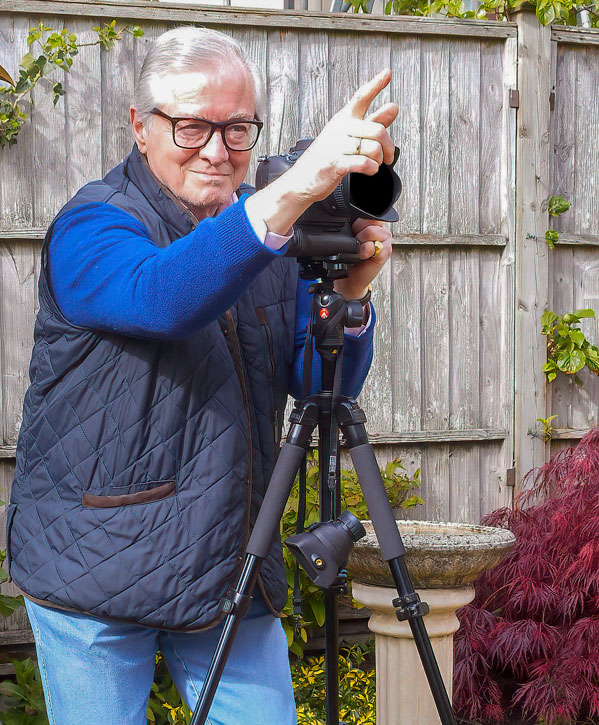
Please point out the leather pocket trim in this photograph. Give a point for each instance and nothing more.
(127, 499)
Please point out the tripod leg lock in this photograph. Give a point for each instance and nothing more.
(235, 603)
(409, 607)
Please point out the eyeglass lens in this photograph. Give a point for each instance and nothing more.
(193, 134)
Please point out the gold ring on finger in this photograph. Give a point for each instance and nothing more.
(357, 149)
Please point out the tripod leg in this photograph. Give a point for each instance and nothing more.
(267, 524)
(329, 509)
(331, 648)
(409, 607)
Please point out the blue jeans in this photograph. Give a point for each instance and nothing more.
(97, 671)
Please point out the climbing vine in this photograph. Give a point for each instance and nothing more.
(562, 12)
(51, 55)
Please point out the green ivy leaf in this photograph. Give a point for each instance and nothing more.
(587, 312)
(557, 204)
(571, 362)
(317, 606)
(28, 62)
(57, 92)
(412, 501)
(548, 317)
(551, 237)
(9, 604)
(592, 356)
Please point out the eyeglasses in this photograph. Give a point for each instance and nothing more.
(195, 133)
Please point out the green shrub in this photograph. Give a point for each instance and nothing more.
(357, 689)
(166, 706)
(23, 698)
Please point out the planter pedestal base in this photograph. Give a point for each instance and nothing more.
(402, 693)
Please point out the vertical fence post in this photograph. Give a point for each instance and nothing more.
(532, 270)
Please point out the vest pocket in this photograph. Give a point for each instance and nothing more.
(160, 490)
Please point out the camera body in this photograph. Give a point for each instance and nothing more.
(323, 240)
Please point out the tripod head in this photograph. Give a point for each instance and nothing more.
(331, 314)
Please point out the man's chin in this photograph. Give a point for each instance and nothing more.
(208, 201)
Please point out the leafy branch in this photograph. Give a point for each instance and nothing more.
(568, 350)
(49, 51)
(563, 12)
(547, 426)
(555, 206)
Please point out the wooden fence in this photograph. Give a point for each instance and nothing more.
(456, 384)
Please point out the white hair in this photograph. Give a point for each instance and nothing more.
(185, 49)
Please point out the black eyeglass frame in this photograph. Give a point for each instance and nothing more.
(214, 125)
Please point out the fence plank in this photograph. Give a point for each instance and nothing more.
(585, 277)
(496, 459)
(16, 191)
(118, 68)
(435, 139)
(83, 112)
(532, 189)
(377, 395)
(464, 302)
(405, 130)
(586, 179)
(18, 303)
(407, 343)
(254, 43)
(435, 271)
(48, 165)
(563, 134)
(314, 87)
(283, 53)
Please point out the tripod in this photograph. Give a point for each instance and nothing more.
(331, 413)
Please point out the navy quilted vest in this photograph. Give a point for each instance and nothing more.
(141, 464)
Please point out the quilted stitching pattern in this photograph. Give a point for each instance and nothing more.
(108, 414)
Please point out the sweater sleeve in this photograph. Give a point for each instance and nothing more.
(107, 274)
(357, 352)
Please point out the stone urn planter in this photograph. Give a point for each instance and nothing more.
(444, 559)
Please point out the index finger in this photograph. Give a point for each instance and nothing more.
(360, 224)
(365, 95)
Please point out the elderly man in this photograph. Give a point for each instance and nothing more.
(169, 334)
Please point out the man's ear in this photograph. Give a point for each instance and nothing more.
(139, 130)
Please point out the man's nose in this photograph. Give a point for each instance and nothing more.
(215, 150)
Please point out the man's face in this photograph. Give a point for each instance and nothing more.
(203, 178)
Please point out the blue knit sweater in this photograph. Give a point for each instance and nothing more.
(106, 274)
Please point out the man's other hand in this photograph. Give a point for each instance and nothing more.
(375, 250)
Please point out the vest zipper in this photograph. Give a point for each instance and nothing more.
(261, 315)
(238, 362)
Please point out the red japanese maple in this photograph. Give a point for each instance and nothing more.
(528, 645)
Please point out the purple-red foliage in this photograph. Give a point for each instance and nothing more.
(528, 645)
